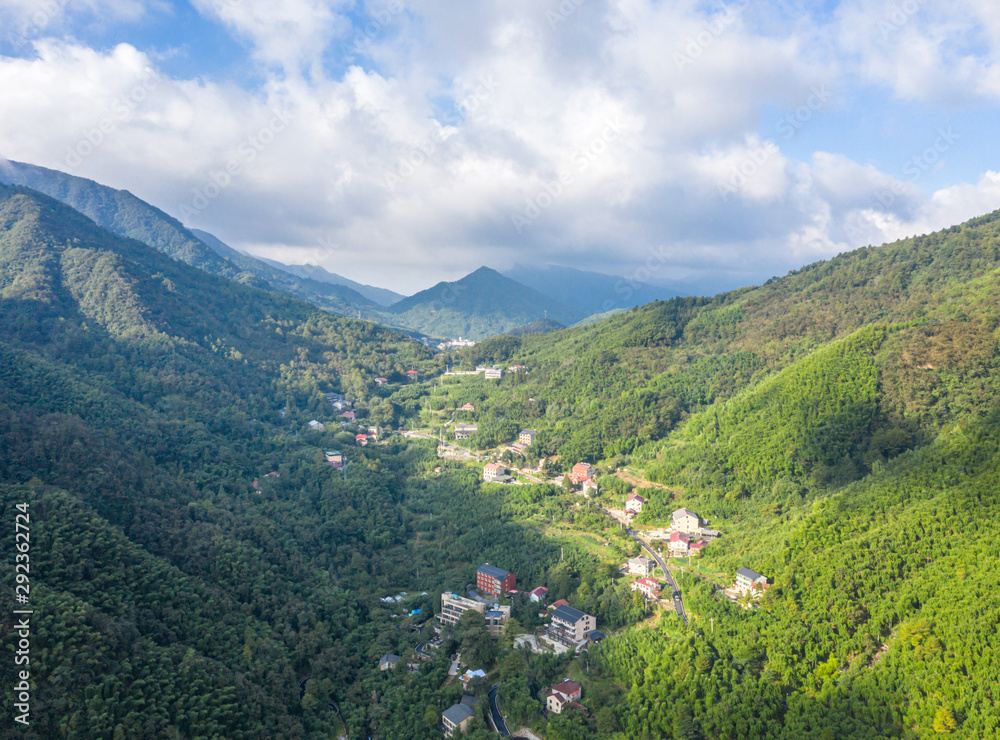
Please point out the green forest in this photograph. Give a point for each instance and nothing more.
(198, 570)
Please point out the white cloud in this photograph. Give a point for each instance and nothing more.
(588, 132)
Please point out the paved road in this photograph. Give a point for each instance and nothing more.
(678, 603)
(498, 724)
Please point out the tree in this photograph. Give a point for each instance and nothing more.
(944, 721)
(431, 716)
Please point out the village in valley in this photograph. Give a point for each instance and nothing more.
(538, 624)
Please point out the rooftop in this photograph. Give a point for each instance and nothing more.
(567, 613)
(492, 570)
(457, 713)
(747, 573)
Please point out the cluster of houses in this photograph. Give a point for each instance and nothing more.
(687, 536)
(456, 344)
(491, 581)
(582, 475)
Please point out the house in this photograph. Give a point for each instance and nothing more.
(316, 426)
(709, 534)
(750, 580)
(685, 520)
(589, 487)
(493, 471)
(641, 566)
(341, 405)
(538, 594)
(470, 701)
(562, 695)
(347, 415)
(526, 437)
(333, 457)
(456, 717)
(493, 373)
(557, 604)
(695, 547)
(468, 676)
(454, 606)
(516, 368)
(494, 581)
(581, 471)
(464, 431)
(679, 543)
(650, 588)
(596, 636)
(381, 381)
(467, 407)
(496, 619)
(633, 504)
(412, 375)
(387, 661)
(375, 431)
(361, 439)
(570, 626)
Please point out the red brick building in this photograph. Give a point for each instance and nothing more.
(494, 581)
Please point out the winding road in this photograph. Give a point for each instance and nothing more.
(678, 603)
(498, 724)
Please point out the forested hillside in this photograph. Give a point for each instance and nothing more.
(198, 570)
(839, 426)
(126, 215)
(141, 401)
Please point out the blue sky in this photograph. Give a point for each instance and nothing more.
(402, 142)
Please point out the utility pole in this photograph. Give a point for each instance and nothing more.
(712, 620)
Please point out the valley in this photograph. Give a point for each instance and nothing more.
(228, 484)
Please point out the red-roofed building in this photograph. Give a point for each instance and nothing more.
(679, 543)
(348, 415)
(557, 604)
(562, 695)
(361, 439)
(381, 381)
(468, 407)
(696, 547)
(650, 588)
(583, 470)
(538, 594)
(412, 374)
(590, 487)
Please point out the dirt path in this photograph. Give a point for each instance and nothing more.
(634, 480)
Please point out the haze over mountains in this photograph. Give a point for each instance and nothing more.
(479, 305)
